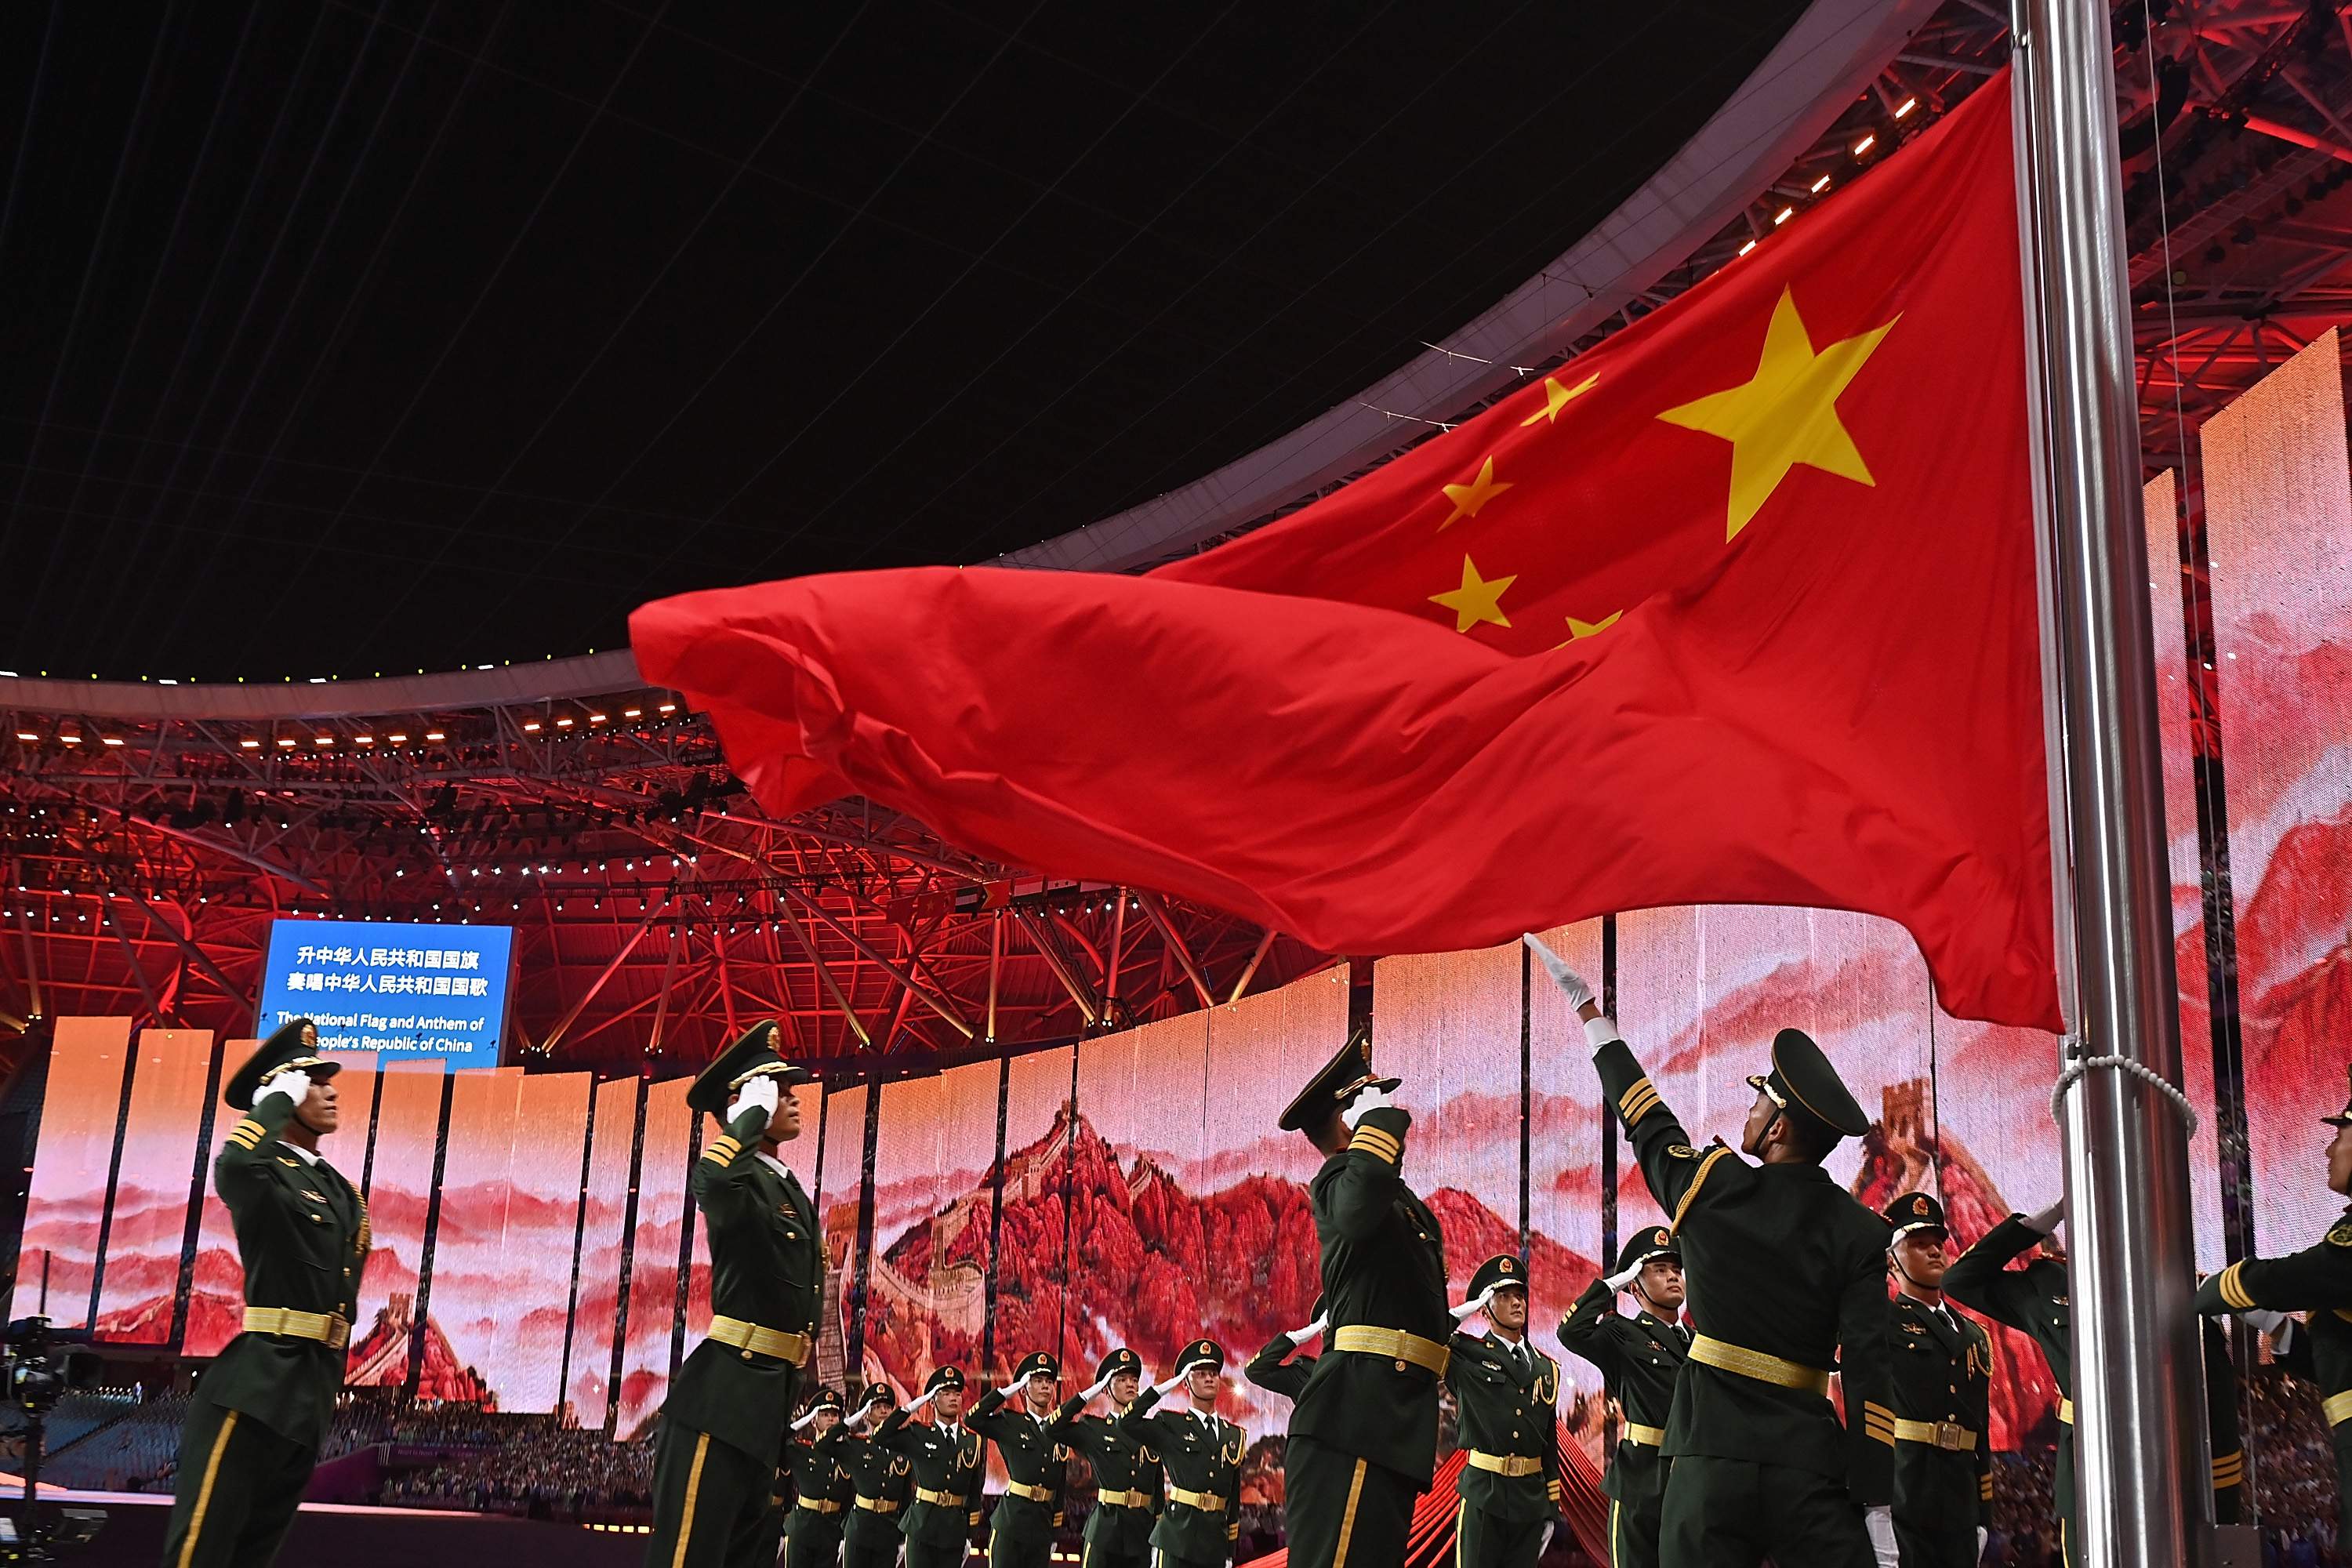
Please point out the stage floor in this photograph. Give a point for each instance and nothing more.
(352, 1536)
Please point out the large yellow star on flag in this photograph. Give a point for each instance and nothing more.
(1469, 498)
(1478, 599)
(1556, 397)
(1785, 414)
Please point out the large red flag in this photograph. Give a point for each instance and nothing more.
(1736, 608)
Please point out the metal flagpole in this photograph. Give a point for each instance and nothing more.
(2142, 1500)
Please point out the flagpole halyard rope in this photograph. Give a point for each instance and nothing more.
(2139, 1070)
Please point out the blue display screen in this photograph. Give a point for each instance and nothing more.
(400, 990)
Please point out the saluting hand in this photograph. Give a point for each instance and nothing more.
(293, 1083)
(1620, 1280)
(1370, 1100)
(1475, 1305)
(1094, 1390)
(762, 1091)
(1300, 1336)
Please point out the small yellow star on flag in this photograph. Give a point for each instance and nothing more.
(1556, 397)
(1578, 630)
(1478, 599)
(1469, 498)
(1785, 414)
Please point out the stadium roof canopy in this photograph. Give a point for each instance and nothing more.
(345, 342)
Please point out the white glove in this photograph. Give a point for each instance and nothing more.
(1300, 1336)
(1880, 1522)
(804, 1420)
(921, 1399)
(1094, 1390)
(1370, 1100)
(2262, 1319)
(2285, 1339)
(1010, 1389)
(1619, 1281)
(2046, 1222)
(1177, 1381)
(763, 1091)
(293, 1083)
(1571, 985)
(1475, 1305)
(1980, 1542)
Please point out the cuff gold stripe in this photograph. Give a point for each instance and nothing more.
(2233, 1290)
(1372, 1140)
(1632, 1095)
(1650, 1101)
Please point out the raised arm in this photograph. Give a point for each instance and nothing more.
(1981, 1281)
(1589, 1331)
(2317, 1278)
(723, 1176)
(241, 1170)
(1272, 1370)
(1069, 1426)
(1137, 1420)
(1866, 1374)
(1355, 1192)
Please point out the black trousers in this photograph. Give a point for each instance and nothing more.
(1004, 1552)
(869, 1546)
(812, 1540)
(1343, 1512)
(1946, 1548)
(1735, 1513)
(1483, 1541)
(925, 1554)
(1096, 1554)
(714, 1505)
(239, 1486)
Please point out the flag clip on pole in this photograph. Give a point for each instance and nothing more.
(2141, 1498)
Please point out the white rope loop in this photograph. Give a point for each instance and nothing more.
(2141, 1070)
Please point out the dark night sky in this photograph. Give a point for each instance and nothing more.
(350, 337)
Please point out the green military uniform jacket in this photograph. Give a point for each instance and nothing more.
(766, 1267)
(2221, 1425)
(1943, 1376)
(302, 1234)
(1510, 1409)
(820, 1474)
(1785, 1264)
(1204, 1457)
(1120, 1465)
(1640, 1360)
(1270, 1369)
(2316, 1280)
(1384, 1268)
(881, 1475)
(1034, 1455)
(946, 1463)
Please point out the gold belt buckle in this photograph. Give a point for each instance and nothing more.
(1948, 1437)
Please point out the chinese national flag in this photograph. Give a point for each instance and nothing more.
(1737, 607)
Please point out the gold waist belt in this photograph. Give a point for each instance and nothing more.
(1034, 1494)
(822, 1505)
(1121, 1500)
(2338, 1408)
(1647, 1436)
(1207, 1502)
(743, 1336)
(1948, 1436)
(2066, 1410)
(939, 1499)
(1505, 1464)
(878, 1505)
(329, 1329)
(1393, 1344)
(1740, 1360)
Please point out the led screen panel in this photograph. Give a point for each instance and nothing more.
(216, 1294)
(1141, 1259)
(398, 989)
(843, 1187)
(150, 1219)
(2278, 526)
(400, 1180)
(1035, 1309)
(543, 1224)
(928, 1280)
(66, 1200)
(469, 1293)
(612, 1156)
(1566, 1125)
(656, 1246)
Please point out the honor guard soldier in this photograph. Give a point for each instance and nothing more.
(880, 1484)
(2032, 1301)
(723, 1425)
(946, 1454)
(1508, 1394)
(1942, 1400)
(821, 1485)
(1363, 1433)
(1271, 1368)
(1201, 1452)
(1036, 1464)
(1127, 1480)
(2318, 1280)
(1641, 1360)
(260, 1410)
(1789, 1273)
